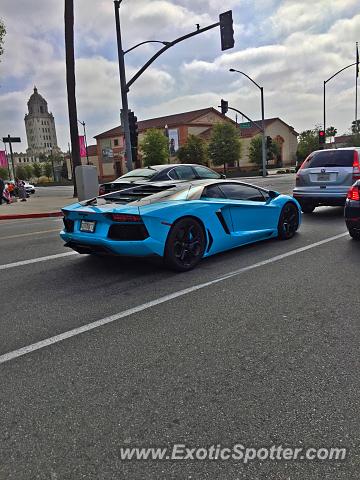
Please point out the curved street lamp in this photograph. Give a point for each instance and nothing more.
(262, 118)
(325, 82)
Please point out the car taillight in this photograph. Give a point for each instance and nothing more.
(124, 217)
(354, 193)
(101, 190)
(356, 166)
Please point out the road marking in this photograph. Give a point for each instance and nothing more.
(145, 306)
(36, 260)
(28, 234)
(22, 221)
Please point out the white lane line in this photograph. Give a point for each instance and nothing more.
(99, 323)
(29, 234)
(36, 260)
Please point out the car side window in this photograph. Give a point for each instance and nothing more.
(204, 172)
(172, 174)
(212, 191)
(160, 176)
(236, 191)
(185, 172)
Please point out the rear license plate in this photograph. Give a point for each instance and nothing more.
(88, 227)
(323, 177)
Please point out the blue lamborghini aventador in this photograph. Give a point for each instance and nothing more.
(179, 221)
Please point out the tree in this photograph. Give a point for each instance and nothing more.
(3, 173)
(225, 145)
(2, 35)
(29, 171)
(194, 151)
(308, 142)
(48, 169)
(255, 150)
(331, 132)
(37, 168)
(20, 172)
(155, 147)
(70, 84)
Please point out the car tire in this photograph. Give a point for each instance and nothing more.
(288, 221)
(307, 207)
(355, 234)
(185, 245)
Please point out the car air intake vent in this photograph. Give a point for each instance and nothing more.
(128, 232)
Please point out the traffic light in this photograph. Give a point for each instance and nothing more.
(268, 142)
(322, 137)
(134, 132)
(226, 30)
(224, 106)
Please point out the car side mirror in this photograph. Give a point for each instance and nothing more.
(273, 194)
(222, 175)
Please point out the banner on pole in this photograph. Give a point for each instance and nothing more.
(82, 146)
(3, 159)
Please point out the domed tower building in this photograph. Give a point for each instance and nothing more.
(40, 126)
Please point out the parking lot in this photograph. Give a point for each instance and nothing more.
(258, 346)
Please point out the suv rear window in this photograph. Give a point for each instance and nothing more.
(330, 158)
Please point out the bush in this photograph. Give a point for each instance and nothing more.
(43, 179)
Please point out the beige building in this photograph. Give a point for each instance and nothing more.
(279, 131)
(40, 126)
(110, 144)
(178, 127)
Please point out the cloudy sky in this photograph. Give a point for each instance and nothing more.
(288, 46)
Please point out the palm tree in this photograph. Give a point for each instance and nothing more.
(70, 83)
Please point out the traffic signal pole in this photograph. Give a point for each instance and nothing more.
(227, 41)
(124, 89)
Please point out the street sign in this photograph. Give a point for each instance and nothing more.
(11, 139)
(245, 125)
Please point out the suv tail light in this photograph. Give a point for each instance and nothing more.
(102, 190)
(124, 217)
(354, 193)
(356, 166)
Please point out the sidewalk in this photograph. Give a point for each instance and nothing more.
(35, 207)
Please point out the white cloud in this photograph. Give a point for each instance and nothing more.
(290, 55)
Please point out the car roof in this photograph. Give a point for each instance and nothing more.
(171, 165)
(335, 149)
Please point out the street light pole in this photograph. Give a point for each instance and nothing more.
(124, 89)
(263, 146)
(325, 82)
(263, 142)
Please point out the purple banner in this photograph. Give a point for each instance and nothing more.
(3, 159)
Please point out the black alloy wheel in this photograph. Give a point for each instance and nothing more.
(185, 244)
(288, 221)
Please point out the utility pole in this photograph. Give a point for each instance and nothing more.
(124, 89)
(70, 83)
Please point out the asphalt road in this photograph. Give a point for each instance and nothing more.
(268, 356)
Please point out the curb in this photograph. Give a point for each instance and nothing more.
(31, 215)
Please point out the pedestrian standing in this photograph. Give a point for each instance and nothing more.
(20, 185)
(6, 195)
(2, 187)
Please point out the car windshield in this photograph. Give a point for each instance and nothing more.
(331, 158)
(139, 173)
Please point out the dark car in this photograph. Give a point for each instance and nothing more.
(159, 173)
(352, 211)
